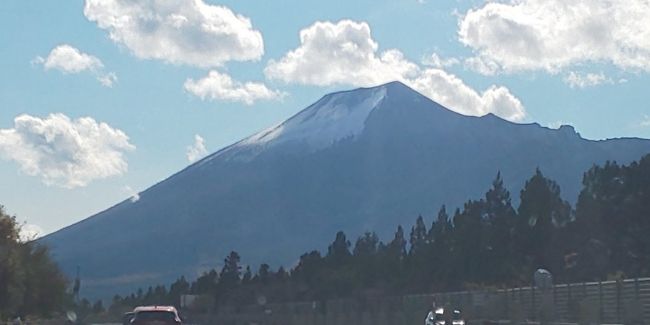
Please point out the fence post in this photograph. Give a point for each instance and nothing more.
(532, 298)
(601, 310)
(507, 304)
(554, 302)
(618, 300)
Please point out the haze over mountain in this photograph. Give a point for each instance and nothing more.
(366, 159)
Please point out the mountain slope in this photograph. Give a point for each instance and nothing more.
(366, 159)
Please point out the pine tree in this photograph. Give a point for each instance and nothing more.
(541, 212)
(501, 219)
(230, 275)
(248, 275)
(338, 252)
(418, 237)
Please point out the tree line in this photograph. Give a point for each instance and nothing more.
(486, 243)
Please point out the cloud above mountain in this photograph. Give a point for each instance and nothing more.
(65, 152)
(189, 32)
(345, 53)
(70, 60)
(551, 35)
(197, 150)
(340, 53)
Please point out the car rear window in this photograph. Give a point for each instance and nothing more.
(155, 315)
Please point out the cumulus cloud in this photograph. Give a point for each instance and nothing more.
(220, 86)
(64, 152)
(29, 232)
(339, 53)
(188, 32)
(70, 60)
(550, 35)
(197, 150)
(578, 80)
(452, 92)
(345, 53)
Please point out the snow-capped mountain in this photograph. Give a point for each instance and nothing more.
(366, 159)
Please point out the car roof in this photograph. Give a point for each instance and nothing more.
(155, 308)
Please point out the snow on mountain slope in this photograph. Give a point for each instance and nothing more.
(333, 118)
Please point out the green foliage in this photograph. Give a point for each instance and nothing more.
(30, 283)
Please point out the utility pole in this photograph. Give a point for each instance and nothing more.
(76, 287)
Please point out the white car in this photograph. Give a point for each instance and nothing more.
(437, 317)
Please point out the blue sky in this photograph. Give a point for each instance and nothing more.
(102, 99)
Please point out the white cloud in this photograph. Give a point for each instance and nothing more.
(64, 152)
(645, 122)
(339, 53)
(345, 53)
(451, 92)
(108, 79)
(68, 59)
(556, 124)
(133, 195)
(29, 232)
(188, 32)
(550, 35)
(197, 150)
(434, 60)
(577, 80)
(220, 86)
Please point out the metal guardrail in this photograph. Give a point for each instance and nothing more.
(625, 301)
(609, 302)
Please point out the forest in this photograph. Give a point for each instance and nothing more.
(488, 243)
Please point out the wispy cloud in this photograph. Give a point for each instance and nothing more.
(434, 60)
(578, 80)
(197, 150)
(134, 196)
(645, 122)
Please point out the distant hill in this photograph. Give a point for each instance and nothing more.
(365, 159)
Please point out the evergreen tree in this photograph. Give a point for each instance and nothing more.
(248, 275)
(366, 245)
(418, 237)
(438, 261)
(338, 252)
(469, 243)
(541, 212)
(501, 219)
(230, 275)
(264, 273)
